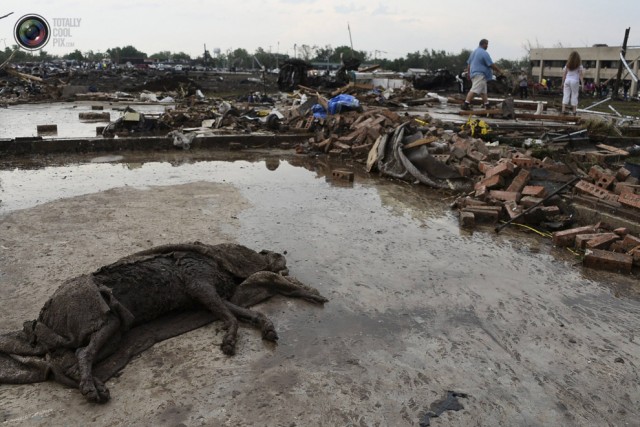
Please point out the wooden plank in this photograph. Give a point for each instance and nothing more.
(15, 73)
(613, 149)
(493, 111)
(518, 101)
(553, 118)
(419, 142)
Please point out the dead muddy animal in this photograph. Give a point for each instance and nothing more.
(94, 323)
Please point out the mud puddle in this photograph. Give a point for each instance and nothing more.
(417, 306)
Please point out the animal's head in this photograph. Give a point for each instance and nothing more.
(275, 262)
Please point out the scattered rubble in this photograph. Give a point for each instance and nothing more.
(517, 162)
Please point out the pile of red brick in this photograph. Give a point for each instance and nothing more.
(618, 189)
(502, 190)
(605, 249)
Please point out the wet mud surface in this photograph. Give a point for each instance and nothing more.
(417, 307)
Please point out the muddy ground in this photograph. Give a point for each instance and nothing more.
(417, 306)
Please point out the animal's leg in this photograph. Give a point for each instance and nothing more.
(207, 295)
(256, 318)
(265, 284)
(92, 388)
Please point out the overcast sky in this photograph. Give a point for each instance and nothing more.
(388, 29)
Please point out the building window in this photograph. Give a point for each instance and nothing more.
(609, 64)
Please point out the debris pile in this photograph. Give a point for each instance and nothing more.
(604, 248)
(615, 189)
(513, 184)
(351, 133)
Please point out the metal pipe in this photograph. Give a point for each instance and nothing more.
(501, 226)
(624, 62)
(598, 103)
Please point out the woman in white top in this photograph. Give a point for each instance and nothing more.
(572, 80)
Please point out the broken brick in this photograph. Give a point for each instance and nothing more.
(342, 174)
(483, 167)
(506, 196)
(582, 239)
(491, 182)
(526, 163)
(623, 174)
(596, 172)
(629, 242)
(623, 187)
(617, 246)
(534, 190)
(602, 242)
(630, 199)
(476, 155)
(567, 237)
(485, 213)
(552, 165)
(605, 260)
(529, 201)
(513, 209)
(481, 192)
(605, 181)
(463, 170)
(520, 181)
(635, 253)
(503, 169)
(596, 191)
(622, 231)
(550, 211)
(467, 219)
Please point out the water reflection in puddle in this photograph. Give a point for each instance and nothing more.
(22, 120)
(23, 189)
(296, 206)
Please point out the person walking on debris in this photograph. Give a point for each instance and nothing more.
(523, 83)
(479, 68)
(572, 81)
(626, 85)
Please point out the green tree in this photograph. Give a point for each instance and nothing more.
(415, 60)
(324, 54)
(75, 55)
(515, 65)
(307, 52)
(164, 55)
(92, 56)
(119, 54)
(181, 56)
(238, 58)
(267, 59)
(346, 53)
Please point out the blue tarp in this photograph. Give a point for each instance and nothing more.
(319, 112)
(343, 102)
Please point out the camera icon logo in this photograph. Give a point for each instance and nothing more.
(32, 32)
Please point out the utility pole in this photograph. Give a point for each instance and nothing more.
(205, 55)
(350, 40)
(616, 84)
